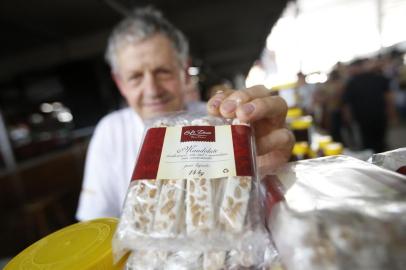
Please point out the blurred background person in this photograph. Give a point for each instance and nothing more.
(329, 96)
(368, 101)
(305, 92)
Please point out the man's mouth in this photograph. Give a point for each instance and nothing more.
(156, 103)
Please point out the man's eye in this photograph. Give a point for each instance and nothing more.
(163, 74)
(135, 78)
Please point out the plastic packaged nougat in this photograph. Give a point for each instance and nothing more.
(194, 190)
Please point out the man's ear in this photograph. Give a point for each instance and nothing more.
(186, 70)
(117, 80)
(187, 76)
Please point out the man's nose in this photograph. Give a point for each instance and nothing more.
(150, 85)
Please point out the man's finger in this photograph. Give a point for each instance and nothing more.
(277, 149)
(281, 140)
(260, 108)
(213, 105)
(267, 164)
(235, 100)
(229, 105)
(245, 95)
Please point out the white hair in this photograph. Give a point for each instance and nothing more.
(142, 24)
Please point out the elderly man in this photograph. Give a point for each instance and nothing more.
(148, 58)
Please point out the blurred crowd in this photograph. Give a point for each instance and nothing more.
(359, 100)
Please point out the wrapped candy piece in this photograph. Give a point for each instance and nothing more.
(199, 206)
(171, 203)
(147, 192)
(214, 260)
(233, 208)
(146, 260)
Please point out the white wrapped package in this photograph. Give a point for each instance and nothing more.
(316, 183)
(362, 235)
(338, 213)
(194, 197)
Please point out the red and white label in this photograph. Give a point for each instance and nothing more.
(195, 152)
(198, 134)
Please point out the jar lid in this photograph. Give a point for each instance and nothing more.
(333, 149)
(300, 148)
(303, 122)
(323, 141)
(84, 245)
(294, 112)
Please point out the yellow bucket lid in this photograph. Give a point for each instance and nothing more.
(300, 148)
(324, 141)
(84, 245)
(294, 112)
(303, 122)
(333, 149)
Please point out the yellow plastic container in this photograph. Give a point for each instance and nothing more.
(324, 141)
(300, 148)
(294, 113)
(301, 128)
(303, 122)
(84, 245)
(300, 151)
(333, 149)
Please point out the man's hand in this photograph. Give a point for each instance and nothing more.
(267, 114)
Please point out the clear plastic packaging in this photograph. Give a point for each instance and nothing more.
(265, 258)
(193, 198)
(316, 183)
(337, 213)
(362, 234)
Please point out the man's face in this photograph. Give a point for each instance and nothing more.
(150, 77)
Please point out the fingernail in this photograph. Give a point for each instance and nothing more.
(229, 106)
(215, 104)
(248, 108)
